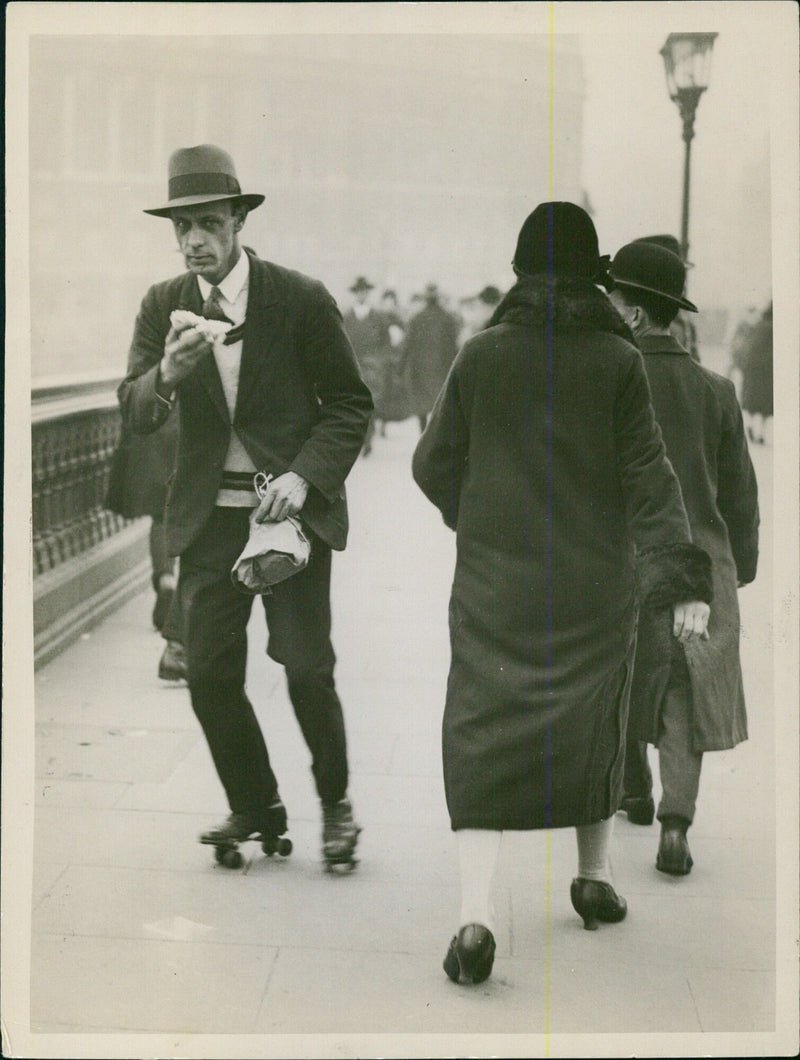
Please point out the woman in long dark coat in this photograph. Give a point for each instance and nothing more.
(543, 454)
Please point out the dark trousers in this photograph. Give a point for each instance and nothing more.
(638, 776)
(161, 562)
(215, 616)
(173, 623)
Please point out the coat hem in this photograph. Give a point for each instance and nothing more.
(525, 824)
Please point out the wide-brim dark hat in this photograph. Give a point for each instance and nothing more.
(490, 295)
(202, 174)
(559, 238)
(668, 242)
(362, 284)
(649, 267)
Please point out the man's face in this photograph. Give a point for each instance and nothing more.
(362, 295)
(622, 307)
(208, 237)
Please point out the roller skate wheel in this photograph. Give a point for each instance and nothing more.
(285, 847)
(340, 867)
(232, 859)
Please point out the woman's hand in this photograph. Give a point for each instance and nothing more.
(690, 620)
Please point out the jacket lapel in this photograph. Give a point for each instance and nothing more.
(206, 370)
(262, 328)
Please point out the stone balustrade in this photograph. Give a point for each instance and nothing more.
(73, 442)
(86, 560)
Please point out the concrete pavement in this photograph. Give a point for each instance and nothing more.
(137, 932)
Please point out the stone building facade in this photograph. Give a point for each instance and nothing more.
(407, 158)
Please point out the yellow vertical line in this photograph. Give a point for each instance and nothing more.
(548, 877)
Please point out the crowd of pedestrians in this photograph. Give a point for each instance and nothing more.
(596, 475)
(405, 354)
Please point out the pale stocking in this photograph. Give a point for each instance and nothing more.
(478, 851)
(593, 844)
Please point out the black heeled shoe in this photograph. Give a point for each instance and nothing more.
(594, 900)
(471, 955)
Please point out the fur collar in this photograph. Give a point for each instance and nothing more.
(576, 304)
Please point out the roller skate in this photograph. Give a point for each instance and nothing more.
(241, 827)
(339, 836)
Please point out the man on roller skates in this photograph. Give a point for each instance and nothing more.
(279, 393)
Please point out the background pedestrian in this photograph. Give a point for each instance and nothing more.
(430, 348)
(691, 699)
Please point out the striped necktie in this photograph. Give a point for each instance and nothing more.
(212, 310)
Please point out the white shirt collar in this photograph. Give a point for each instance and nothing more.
(231, 287)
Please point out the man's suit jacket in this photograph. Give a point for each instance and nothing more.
(301, 404)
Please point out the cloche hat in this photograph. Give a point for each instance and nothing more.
(559, 238)
(646, 266)
(202, 174)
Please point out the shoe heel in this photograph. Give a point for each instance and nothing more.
(594, 901)
(470, 957)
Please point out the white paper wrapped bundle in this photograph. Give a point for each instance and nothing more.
(274, 551)
(211, 330)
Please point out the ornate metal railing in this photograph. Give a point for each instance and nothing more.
(75, 430)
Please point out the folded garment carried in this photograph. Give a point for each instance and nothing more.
(274, 551)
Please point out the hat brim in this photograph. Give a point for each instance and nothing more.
(684, 303)
(250, 201)
(362, 287)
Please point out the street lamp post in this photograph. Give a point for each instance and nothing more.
(687, 60)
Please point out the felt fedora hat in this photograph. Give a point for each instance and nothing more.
(490, 295)
(362, 284)
(650, 267)
(670, 242)
(202, 174)
(559, 238)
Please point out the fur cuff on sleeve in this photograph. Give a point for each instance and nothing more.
(670, 574)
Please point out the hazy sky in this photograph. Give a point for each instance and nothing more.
(632, 152)
(633, 148)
